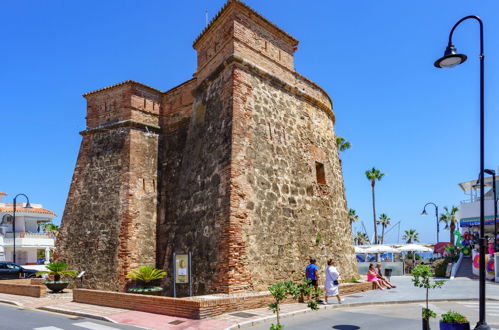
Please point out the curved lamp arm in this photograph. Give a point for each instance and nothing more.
(464, 19)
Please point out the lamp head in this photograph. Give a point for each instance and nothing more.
(451, 58)
(28, 206)
(424, 212)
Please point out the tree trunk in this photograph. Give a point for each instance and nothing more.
(452, 228)
(374, 215)
(382, 233)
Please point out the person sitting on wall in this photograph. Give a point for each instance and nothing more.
(372, 276)
(383, 279)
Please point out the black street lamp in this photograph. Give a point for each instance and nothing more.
(493, 173)
(450, 59)
(28, 206)
(436, 214)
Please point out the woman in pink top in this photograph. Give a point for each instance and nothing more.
(372, 276)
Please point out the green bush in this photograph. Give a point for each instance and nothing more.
(440, 267)
(453, 317)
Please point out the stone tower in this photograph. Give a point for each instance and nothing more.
(238, 165)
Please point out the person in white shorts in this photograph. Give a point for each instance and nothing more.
(332, 281)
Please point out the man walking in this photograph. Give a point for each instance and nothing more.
(312, 274)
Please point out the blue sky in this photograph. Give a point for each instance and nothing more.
(416, 123)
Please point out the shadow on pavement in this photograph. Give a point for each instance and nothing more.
(346, 327)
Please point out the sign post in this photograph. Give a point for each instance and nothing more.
(182, 271)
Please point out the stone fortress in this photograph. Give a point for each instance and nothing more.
(238, 165)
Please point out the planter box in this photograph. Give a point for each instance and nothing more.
(199, 307)
(454, 326)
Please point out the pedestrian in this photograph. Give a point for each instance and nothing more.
(312, 274)
(332, 282)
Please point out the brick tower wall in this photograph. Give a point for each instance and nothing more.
(109, 223)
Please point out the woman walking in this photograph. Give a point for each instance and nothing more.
(332, 284)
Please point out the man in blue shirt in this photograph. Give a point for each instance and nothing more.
(311, 273)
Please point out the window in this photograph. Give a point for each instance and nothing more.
(319, 173)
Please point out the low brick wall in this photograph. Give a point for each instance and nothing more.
(351, 288)
(195, 307)
(154, 304)
(23, 287)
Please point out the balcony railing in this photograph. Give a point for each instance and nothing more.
(30, 235)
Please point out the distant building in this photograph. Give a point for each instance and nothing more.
(30, 237)
(469, 210)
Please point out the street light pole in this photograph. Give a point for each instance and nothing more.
(28, 206)
(493, 173)
(436, 214)
(450, 59)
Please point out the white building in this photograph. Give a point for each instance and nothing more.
(29, 236)
(469, 210)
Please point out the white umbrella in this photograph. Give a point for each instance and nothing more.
(381, 249)
(359, 249)
(414, 248)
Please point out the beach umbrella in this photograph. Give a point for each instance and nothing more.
(381, 249)
(414, 248)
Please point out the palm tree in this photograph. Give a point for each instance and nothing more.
(374, 175)
(411, 236)
(50, 228)
(342, 143)
(361, 238)
(384, 221)
(450, 220)
(352, 216)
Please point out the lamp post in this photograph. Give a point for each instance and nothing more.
(493, 173)
(436, 214)
(450, 59)
(28, 206)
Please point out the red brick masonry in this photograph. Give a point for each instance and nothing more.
(23, 287)
(195, 308)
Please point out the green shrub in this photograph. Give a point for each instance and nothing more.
(453, 317)
(146, 274)
(354, 280)
(57, 269)
(440, 267)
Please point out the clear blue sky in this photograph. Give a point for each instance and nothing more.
(416, 123)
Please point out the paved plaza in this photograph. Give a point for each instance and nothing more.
(402, 304)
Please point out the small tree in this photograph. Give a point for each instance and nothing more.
(421, 275)
(282, 290)
(279, 292)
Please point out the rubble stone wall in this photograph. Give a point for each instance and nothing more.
(195, 163)
(286, 216)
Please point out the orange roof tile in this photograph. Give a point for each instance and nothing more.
(29, 210)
